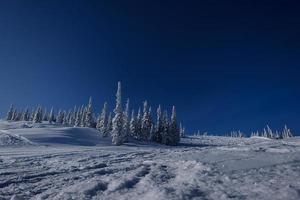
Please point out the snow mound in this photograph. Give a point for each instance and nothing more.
(7, 139)
(62, 136)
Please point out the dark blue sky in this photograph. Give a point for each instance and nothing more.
(225, 64)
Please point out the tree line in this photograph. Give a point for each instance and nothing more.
(120, 125)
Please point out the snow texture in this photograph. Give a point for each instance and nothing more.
(77, 163)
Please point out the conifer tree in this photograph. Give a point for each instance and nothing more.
(138, 128)
(109, 124)
(166, 136)
(78, 118)
(10, 112)
(89, 121)
(38, 115)
(32, 114)
(102, 123)
(25, 115)
(66, 117)
(159, 126)
(117, 132)
(126, 122)
(174, 129)
(60, 117)
(45, 117)
(83, 117)
(132, 125)
(51, 117)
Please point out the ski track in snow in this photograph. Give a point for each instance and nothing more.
(200, 168)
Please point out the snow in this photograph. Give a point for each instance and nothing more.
(77, 163)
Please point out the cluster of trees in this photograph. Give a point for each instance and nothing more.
(268, 133)
(121, 127)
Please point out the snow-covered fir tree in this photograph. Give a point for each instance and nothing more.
(138, 128)
(102, 122)
(146, 122)
(38, 115)
(72, 117)
(60, 117)
(117, 132)
(286, 132)
(78, 117)
(126, 122)
(166, 136)
(269, 132)
(182, 130)
(45, 116)
(109, 124)
(51, 117)
(132, 125)
(159, 129)
(174, 128)
(89, 120)
(66, 118)
(10, 112)
(83, 117)
(25, 115)
(15, 115)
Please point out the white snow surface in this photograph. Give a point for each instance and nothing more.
(52, 162)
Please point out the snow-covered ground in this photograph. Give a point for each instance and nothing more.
(49, 162)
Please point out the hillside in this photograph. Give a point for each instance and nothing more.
(76, 163)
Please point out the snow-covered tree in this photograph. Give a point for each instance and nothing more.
(146, 123)
(182, 130)
(269, 132)
(60, 117)
(117, 132)
(132, 125)
(10, 112)
(32, 114)
(25, 115)
(159, 126)
(38, 115)
(83, 117)
(89, 120)
(45, 116)
(166, 136)
(78, 117)
(51, 117)
(72, 117)
(286, 132)
(67, 117)
(102, 121)
(109, 124)
(174, 128)
(138, 128)
(126, 122)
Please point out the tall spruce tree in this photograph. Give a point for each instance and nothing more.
(117, 132)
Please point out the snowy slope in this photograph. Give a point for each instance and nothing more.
(62, 136)
(200, 168)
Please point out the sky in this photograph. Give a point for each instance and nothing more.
(225, 65)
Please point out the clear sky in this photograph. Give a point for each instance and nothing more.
(226, 65)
